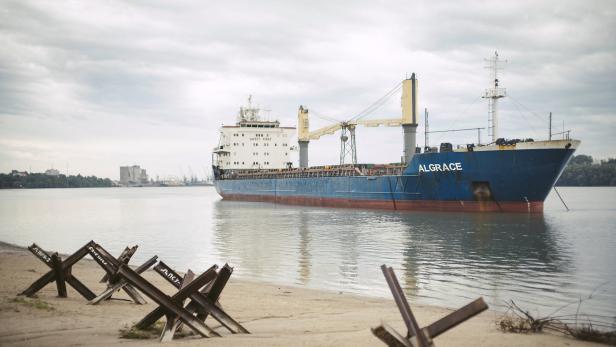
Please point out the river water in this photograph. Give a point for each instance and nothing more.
(542, 262)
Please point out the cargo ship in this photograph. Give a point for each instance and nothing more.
(252, 163)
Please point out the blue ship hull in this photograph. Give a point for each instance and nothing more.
(516, 180)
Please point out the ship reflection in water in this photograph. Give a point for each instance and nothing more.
(540, 261)
(444, 259)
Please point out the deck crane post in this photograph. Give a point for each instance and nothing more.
(409, 117)
(303, 135)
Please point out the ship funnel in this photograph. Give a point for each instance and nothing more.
(409, 117)
(303, 136)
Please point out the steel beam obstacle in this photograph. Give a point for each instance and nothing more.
(203, 291)
(205, 302)
(124, 257)
(111, 265)
(61, 272)
(171, 307)
(416, 336)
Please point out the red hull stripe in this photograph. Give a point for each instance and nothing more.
(417, 205)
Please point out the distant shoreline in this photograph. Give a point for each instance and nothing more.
(30, 188)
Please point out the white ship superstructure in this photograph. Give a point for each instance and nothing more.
(253, 143)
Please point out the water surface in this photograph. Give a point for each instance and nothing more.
(541, 261)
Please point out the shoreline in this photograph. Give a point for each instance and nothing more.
(276, 315)
(161, 186)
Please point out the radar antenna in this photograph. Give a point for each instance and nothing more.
(494, 93)
(249, 113)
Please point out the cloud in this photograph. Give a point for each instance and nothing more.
(102, 84)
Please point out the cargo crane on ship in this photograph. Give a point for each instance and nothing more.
(408, 121)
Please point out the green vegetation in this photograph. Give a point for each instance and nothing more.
(594, 328)
(40, 180)
(34, 303)
(152, 332)
(582, 172)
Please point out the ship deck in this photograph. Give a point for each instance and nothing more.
(315, 171)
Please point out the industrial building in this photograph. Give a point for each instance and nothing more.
(132, 175)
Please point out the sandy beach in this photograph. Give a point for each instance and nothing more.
(275, 315)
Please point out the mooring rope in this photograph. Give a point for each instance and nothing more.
(561, 199)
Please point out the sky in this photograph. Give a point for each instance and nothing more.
(89, 86)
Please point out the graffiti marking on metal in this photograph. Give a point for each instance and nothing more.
(97, 255)
(39, 253)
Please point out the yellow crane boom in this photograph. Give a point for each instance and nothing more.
(305, 135)
(408, 121)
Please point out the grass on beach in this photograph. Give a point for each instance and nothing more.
(34, 303)
(517, 320)
(152, 332)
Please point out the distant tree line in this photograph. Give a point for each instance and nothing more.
(581, 171)
(40, 180)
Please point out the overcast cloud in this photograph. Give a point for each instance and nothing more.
(95, 85)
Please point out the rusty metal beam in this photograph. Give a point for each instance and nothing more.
(390, 336)
(426, 335)
(403, 306)
(172, 323)
(207, 298)
(124, 257)
(217, 287)
(56, 264)
(169, 274)
(211, 298)
(66, 266)
(183, 293)
(112, 288)
(456, 317)
(103, 260)
(167, 304)
(110, 264)
(80, 287)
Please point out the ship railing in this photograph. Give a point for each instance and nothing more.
(321, 171)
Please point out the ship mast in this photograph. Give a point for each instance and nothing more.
(494, 93)
(249, 113)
